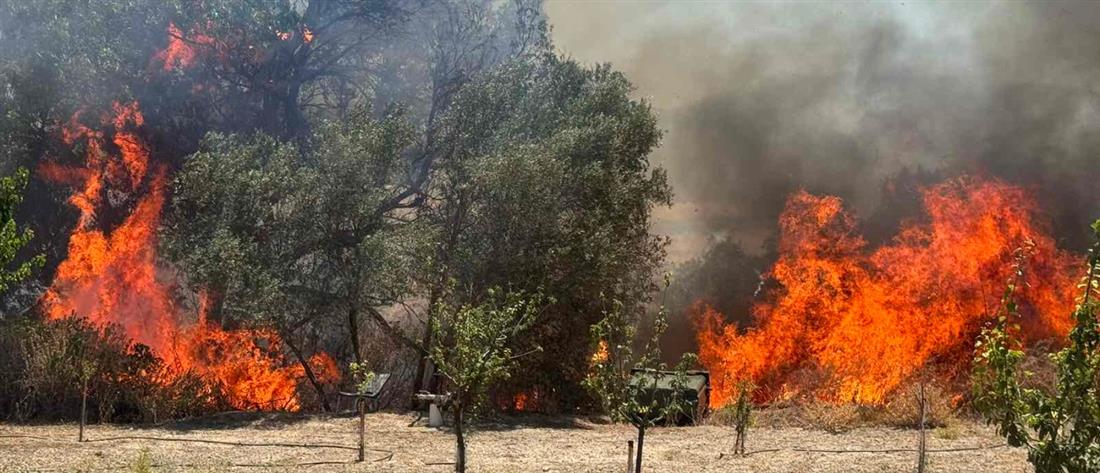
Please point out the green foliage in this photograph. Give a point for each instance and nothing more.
(547, 186)
(474, 343)
(473, 350)
(612, 359)
(609, 377)
(361, 376)
(742, 415)
(84, 48)
(12, 239)
(99, 51)
(1061, 430)
(282, 233)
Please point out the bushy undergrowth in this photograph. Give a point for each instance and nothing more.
(45, 363)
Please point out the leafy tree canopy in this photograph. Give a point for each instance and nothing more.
(13, 239)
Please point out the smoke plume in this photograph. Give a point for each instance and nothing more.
(867, 102)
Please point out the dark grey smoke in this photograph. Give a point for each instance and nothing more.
(761, 100)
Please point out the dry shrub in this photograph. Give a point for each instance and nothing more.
(902, 409)
(774, 416)
(143, 463)
(45, 362)
(834, 418)
(948, 432)
(726, 416)
(723, 416)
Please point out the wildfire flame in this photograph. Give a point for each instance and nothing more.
(112, 276)
(181, 52)
(847, 324)
(601, 355)
(307, 35)
(520, 401)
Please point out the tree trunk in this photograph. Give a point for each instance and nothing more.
(641, 440)
(213, 309)
(309, 373)
(296, 125)
(460, 441)
(425, 368)
(353, 330)
(420, 381)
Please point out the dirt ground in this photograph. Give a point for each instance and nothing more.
(525, 444)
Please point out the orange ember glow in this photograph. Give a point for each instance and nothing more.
(601, 355)
(181, 51)
(307, 35)
(850, 324)
(112, 277)
(525, 401)
(520, 400)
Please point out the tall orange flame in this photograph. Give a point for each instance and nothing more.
(112, 276)
(851, 325)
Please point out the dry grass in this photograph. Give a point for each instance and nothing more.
(524, 444)
(901, 410)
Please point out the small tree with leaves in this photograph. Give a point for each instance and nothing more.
(742, 415)
(12, 238)
(473, 350)
(1060, 429)
(363, 378)
(627, 397)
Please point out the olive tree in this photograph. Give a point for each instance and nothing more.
(300, 240)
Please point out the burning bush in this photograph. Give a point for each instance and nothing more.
(850, 325)
(112, 276)
(47, 362)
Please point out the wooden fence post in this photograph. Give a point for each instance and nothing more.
(362, 404)
(83, 408)
(629, 456)
(922, 404)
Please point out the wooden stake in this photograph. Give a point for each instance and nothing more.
(83, 408)
(362, 404)
(922, 403)
(629, 456)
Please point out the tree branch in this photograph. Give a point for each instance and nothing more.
(394, 333)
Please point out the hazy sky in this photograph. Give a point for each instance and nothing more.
(761, 99)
